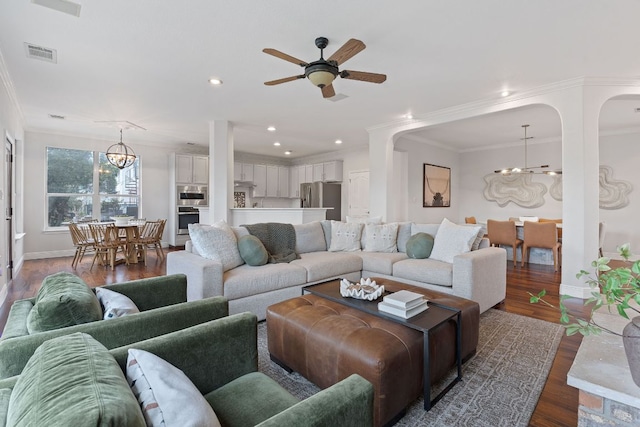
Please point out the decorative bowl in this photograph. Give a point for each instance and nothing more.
(121, 220)
(366, 289)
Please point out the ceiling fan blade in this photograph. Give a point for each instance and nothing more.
(328, 91)
(284, 56)
(347, 51)
(286, 79)
(363, 76)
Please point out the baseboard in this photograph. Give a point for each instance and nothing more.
(575, 291)
(59, 253)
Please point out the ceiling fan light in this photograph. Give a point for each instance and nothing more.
(321, 78)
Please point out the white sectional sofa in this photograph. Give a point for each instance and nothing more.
(479, 275)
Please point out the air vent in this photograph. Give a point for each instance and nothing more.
(637, 109)
(57, 116)
(41, 53)
(64, 6)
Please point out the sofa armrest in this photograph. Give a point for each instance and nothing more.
(481, 276)
(154, 292)
(112, 333)
(211, 354)
(347, 403)
(16, 325)
(204, 276)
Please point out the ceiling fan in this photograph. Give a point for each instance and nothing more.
(323, 71)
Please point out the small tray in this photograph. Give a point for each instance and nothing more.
(366, 289)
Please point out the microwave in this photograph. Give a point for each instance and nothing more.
(192, 195)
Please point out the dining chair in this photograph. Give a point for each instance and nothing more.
(151, 236)
(504, 233)
(470, 220)
(557, 221)
(602, 231)
(541, 235)
(107, 242)
(82, 240)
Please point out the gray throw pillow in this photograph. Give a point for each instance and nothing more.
(419, 246)
(252, 250)
(216, 242)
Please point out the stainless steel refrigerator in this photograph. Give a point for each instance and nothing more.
(322, 195)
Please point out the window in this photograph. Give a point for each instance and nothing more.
(78, 180)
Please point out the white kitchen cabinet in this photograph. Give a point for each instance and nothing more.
(242, 172)
(283, 181)
(294, 182)
(308, 173)
(328, 171)
(259, 180)
(192, 169)
(272, 181)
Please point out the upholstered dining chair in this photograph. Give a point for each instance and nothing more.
(557, 221)
(602, 231)
(470, 220)
(107, 243)
(504, 233)
(541, 235)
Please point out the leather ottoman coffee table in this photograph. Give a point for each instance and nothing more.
(327, 338)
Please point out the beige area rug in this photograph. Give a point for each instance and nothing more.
(500, 385)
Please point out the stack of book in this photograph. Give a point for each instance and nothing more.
(404, 304)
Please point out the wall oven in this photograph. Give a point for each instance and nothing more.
(192, 195)
(186, 215)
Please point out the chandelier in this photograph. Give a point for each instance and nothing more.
(120, 155)
(528, 169)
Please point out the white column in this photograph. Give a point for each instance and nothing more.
(381, 174)
(220, 170)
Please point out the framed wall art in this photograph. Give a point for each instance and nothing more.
(436, 186)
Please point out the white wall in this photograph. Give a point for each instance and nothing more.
(154, 178)
(475, 165)
(420, 153)
(622, 153)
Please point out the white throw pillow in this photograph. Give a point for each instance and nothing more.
(452, 240)
(345, 237)
(216, 242)
(476, 243)
(115, 304)
(381, 238)
(166, 395)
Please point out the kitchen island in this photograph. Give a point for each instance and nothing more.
(241, 216)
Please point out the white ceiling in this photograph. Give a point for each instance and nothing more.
(148, 61)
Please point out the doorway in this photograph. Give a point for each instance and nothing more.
(359, 193)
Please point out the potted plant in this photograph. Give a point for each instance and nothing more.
(614, 288)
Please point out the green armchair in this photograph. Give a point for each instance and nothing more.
(163, 309)
(220, 358)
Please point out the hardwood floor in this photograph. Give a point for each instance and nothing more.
(558, 403)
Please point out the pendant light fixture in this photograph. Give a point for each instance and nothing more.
(526, 169)
(120, 155)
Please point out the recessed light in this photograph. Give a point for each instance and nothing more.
(409, 116)
(338, 141)
(505, 93)
(288, 153)
(215, 81)
(277, 144)
(271, 128)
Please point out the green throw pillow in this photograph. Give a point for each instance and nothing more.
(73, 381)
(252, 250)
(63, 300)
(419, 245)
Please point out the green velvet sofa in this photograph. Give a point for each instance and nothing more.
(220, 358)
(163, 309)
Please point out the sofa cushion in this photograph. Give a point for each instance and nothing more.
(345, 237)
(326, 229)
(310, 237)
(323, 265)
(252, 251)
(420, 245)
(404, 233)
(115, 304)
(73, 381)
(216, 242)
(245, 280)
(452, 240)
(380, 262)
(5, 396)
(425, 270)
(380, 238)
(166, 395)
(63, 300)
(249, 400)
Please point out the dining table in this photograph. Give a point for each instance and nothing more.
(129, 233)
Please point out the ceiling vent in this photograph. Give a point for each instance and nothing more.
(41, 53)
(637, 109)
(64, 6)
(57, 116)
